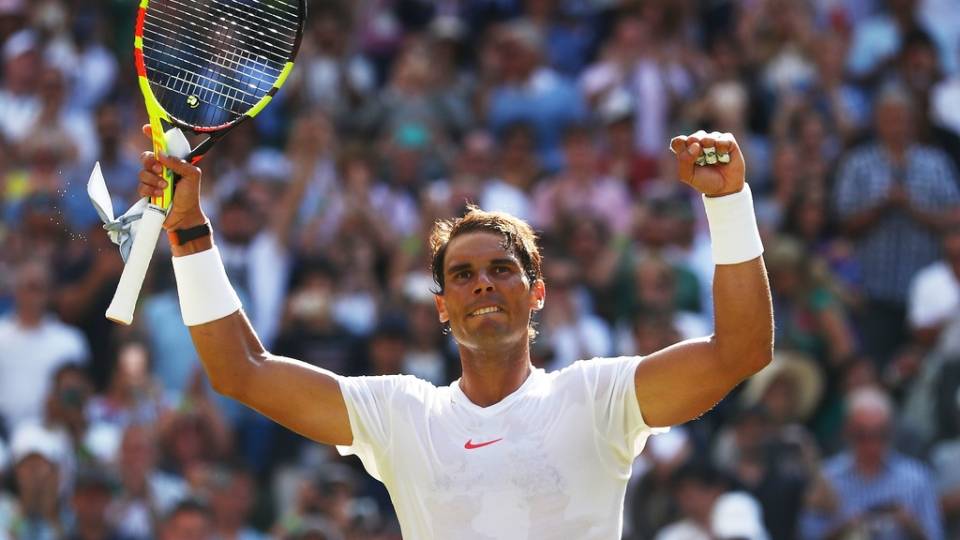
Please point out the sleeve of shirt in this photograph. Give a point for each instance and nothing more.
(371, 403)
(928, 508)
(618, 419)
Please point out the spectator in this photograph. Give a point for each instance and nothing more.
(531, 92)
(189, 520)
(878, 491)
(710, 509)
(35, 345)
(38, 457)
(90, 501)
(232, 491)
(145, 493)
(891, 196)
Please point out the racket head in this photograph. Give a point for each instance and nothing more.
(211, 64)
(207, 65)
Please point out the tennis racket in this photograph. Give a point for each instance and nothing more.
(204, 66)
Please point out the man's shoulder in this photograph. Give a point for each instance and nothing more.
(393, 386)
(909, 471)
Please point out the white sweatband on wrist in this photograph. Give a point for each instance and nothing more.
(205, 292)
(733, 227)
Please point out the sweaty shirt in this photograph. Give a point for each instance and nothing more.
(549, 461)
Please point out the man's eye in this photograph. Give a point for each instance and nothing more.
(463, 274)
(501, 269)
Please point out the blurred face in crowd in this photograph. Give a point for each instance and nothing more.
(518, 58)
(487, 298)
(90, 505)
(654, 284)
(579, 155)
(137, 458)
(232, 498)
(38, 482)
(894, 122)
(869, 432)
(71, 391)
(187, 525)
(32, 291)
(132, 375)
(696, 499)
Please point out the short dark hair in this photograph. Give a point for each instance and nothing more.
(189, 505)
(519, 239)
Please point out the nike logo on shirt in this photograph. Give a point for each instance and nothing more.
(471, 446)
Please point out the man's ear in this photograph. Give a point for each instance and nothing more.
(441, 308)
(538, 295)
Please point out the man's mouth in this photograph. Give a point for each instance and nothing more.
(485, 311)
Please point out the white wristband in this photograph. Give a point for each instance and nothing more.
(205, 292)
(733, 227)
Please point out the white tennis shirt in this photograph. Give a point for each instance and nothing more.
(549, 461)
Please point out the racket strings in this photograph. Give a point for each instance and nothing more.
(212, 61)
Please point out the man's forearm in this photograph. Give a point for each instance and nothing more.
(743, 313)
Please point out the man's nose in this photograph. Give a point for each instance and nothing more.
(484, 283)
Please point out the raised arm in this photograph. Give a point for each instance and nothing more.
(302, 397)
(685, 380)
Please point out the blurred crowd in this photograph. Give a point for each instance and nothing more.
(400, 112)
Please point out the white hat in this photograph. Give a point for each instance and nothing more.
(737, 515)
(31, 439)
(20, 43)
(803, 373)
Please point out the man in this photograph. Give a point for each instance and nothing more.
(892, 197)
(35, 345)
(189, 520)
(879, 493)
(507, 451)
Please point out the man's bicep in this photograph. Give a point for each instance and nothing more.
(681, 382)
(301, 397)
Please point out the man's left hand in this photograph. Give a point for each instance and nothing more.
(715, 177)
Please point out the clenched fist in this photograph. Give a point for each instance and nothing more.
(720, 171)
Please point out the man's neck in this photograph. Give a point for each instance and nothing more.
(489, 377)
(29, 320)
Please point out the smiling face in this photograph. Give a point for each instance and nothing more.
(487, 298)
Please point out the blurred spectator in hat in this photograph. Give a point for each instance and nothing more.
(879, 492)
(233, 492)
(19, 101)
(891, 197)
(567, 322)
(709, 507)
(90, 502)
(580, 188)
(530, 91)
(35, 345)
(38, 458)
(810, 319)
(188, 520)
(133, 395)
(789, 389)
(518, 170)
(145, 493)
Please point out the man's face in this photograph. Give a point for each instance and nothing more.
(487, 298)
(869, 433)
(894, 122)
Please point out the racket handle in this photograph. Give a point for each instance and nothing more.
(128, 290)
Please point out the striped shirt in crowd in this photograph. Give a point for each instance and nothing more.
(892, 251)
(902, 481)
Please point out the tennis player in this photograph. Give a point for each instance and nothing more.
(507, 451)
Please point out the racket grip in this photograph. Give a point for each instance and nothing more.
(128, 290)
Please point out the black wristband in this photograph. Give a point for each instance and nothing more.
(180, 237)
